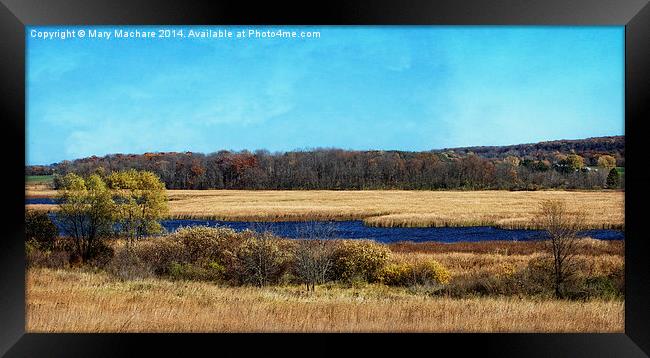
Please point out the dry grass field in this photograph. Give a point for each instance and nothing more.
(77, 301)
(92, 300)
(387, 208)
(586, 247)
(494, 257)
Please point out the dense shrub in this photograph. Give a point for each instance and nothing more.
(36, 257)
(359, 259)
(263, 259)
(396, 274)
(212, 271)
(65, 253)
(206, 243)
(538, 276)
(43, 247)
(101, 254)
(431, 272)
(65, 244)
(159, 253)
(599, 287)
(428, 272)
(313, 261)
(203, 247)
(534, 279)
(618, 277)
(476, 284)
(126, 265)
(40, 229)
(212, 254)
(590, 279)
(597, 279)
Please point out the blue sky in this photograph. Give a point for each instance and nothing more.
(359, 87)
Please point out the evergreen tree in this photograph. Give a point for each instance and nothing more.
(613, 179)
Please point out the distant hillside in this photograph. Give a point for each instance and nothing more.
(589, 149)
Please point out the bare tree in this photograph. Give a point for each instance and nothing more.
(260, 259)
(314, 253)
(562, 227)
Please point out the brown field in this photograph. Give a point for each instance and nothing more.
(77, 301)
(387, 208)
(464, 264)
(466, 259)
(586, 247)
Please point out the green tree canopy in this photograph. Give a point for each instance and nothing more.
(141, 201)
(92, 208)
(40, 229)
(86, 212)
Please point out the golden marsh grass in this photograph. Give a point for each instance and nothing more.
(76, 301)
(387, 208)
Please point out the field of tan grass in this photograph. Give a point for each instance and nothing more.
(586, 247)
(77, 301)
(387, 208)
(461, 264)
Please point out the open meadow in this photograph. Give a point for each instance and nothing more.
(74, 301)
(196, 280)
(91, 300)
(385, 208)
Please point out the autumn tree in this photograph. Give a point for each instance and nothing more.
(507, 174)
(512, 160)
(571, 163)
(606, 161)
(86, 212)
(140, 202)
(562, 228)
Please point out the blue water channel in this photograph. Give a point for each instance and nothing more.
(355, 229)
(40, 201)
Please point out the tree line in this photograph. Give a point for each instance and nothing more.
(347, 169)
(590, 149)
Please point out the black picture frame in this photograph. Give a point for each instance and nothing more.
(633, 14)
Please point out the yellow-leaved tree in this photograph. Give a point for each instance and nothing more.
(141, 201)
(86, 212)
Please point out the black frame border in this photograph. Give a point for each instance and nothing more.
(633, 14)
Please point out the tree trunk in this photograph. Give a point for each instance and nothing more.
(558, 279)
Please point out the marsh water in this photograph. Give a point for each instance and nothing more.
(355, 229)
(40, 201)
